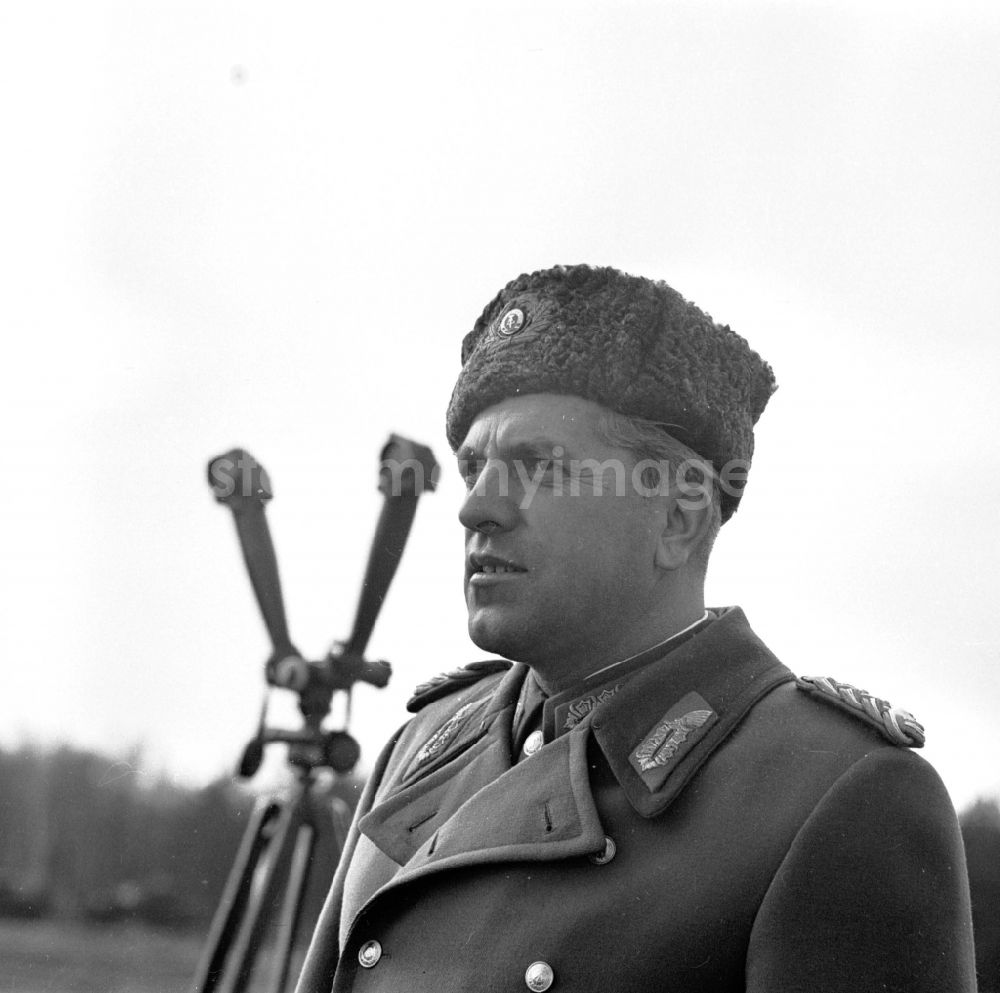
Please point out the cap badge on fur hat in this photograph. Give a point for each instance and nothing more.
(511, 322)
(522, 319)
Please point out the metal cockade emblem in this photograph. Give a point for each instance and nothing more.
(511, 323)
(526, 317)
(662, 744)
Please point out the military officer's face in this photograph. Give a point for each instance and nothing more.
(560, 569)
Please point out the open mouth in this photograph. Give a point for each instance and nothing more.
(492, 565)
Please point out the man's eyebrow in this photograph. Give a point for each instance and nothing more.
(540, 447)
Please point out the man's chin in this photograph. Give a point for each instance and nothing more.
(496, 635)
(487, 637)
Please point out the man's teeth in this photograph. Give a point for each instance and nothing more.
(497, 568)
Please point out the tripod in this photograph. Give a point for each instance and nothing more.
(271, 875)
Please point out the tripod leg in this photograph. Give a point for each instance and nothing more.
(328, 818)
(231, 908)
(291, 907)
(327, 821)
(279, 843)
(263, 894)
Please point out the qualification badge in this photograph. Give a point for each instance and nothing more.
(671, 738)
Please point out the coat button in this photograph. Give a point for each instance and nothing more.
(606, 854)
(539, 977)
(369, 954)
(533, 742)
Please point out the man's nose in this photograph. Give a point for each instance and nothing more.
(489, 505)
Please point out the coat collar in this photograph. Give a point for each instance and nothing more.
(713, 680)
(565, 710)
(470, 804)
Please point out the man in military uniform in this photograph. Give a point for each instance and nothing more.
(646, 799)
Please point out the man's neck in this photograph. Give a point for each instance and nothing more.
(558, 681)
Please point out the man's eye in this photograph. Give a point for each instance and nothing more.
(470, 470)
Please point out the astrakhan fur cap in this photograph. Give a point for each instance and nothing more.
(633, 345)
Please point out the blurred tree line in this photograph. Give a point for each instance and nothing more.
(82, 835)
(86, 836)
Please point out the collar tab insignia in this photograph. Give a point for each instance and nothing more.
(671, 738)
(579, 709)
(440, 739)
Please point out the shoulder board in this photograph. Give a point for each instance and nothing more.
(899, 726)
(449, 682)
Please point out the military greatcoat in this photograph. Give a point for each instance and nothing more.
(772, 843)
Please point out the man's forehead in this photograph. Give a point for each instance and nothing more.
(539, 421)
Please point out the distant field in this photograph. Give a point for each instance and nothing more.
(48, 957)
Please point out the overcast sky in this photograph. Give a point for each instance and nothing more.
(269, 225)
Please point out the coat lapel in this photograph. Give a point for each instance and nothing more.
(404, 821)
(538, 810)
(481, 809)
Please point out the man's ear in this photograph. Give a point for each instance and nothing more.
(687, 520)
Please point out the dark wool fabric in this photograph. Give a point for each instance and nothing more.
(633, 345)
(791, 849)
